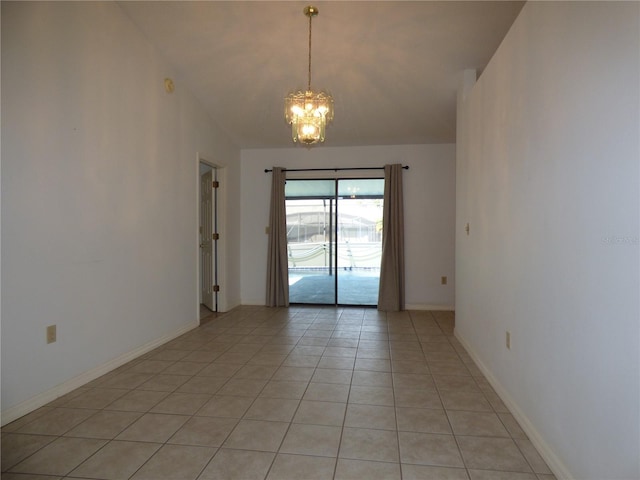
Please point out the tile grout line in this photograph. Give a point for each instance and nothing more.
(446, 413)
(346, 409)
(395, 404)
(275, 456)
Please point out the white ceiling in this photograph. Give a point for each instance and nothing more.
(392, 67)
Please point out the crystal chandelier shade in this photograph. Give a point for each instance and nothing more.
(308, 112)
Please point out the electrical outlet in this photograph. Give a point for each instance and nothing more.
(443, 280)
(508, 340)
(51, 333)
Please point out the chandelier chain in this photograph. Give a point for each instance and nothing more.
(309, 81)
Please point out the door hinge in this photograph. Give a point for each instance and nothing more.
(215, 236)
(215, 184)
(216, 288)
(200, 228)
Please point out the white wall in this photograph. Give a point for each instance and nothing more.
(99, 196)
(547, 177)
(429, 188)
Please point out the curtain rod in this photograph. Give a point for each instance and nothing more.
(267, 170)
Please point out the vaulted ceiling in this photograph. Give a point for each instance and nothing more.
(393, 68)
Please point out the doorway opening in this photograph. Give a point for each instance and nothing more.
(208, 228)
(334, 240)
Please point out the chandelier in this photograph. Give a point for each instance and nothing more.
(308, 112)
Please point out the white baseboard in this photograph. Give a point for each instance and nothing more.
(253, 303)
(558, 468)
(227, 306)
(231, 305)
(33, 403)
(440, 308)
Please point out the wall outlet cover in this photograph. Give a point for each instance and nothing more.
(52, 333)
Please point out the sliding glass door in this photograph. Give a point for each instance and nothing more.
(311, 217)
(334, 236)
(359, 240)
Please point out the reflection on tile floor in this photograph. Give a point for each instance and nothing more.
(298, 393)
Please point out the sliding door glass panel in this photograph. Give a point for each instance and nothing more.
(361, 187)
(310, 208)
(310, 188)
(359, 245)
(334, 240)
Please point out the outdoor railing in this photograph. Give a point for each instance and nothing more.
(350, 255)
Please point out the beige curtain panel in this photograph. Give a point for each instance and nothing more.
(277, 267)
(391, 293)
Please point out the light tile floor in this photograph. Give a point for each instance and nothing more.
(298, 393)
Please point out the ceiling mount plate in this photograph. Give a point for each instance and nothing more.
(311, 11)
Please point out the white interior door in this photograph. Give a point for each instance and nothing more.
(207, 257)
